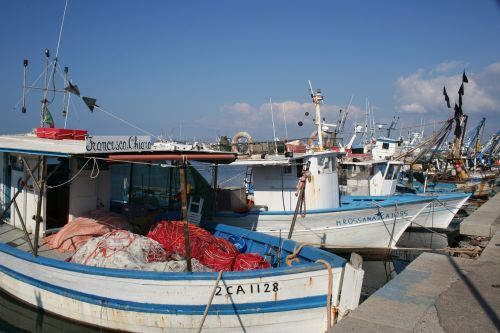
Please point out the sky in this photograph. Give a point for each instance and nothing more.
(197, 70)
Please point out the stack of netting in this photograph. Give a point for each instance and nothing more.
(126, 250)
(215, 252)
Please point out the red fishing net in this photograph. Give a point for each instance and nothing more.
(215, 252)
(249, 261)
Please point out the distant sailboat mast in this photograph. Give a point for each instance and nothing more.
(284, 118)
(274, 128)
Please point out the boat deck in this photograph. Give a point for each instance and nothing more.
(16, 238)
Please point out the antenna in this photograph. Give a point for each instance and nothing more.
(23, 108)
(274, 129)
(65, 101)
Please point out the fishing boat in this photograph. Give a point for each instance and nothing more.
(297, 194)
(379, 178)
(52, 177)
(298, 297)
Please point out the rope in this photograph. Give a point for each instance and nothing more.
(383, 221)
(293, 256)
(94, 167)
(76, 175)
(231, 178)
(205, 313)
(329, 294)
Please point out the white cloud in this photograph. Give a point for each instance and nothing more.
(419, 93)
(412, 108)
(257, 120)
(239, 108)
(450, 65)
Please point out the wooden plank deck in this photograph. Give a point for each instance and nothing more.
(16, 238)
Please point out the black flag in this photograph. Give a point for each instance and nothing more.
(72, 89)
(461, 90)
(90, 102)
(464, 78)
(446, 98)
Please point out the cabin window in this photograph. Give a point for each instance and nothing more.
(300, 164)
(325, 165)
(287, 169)
(144, 188)
(358, 172)
(396, 171)
(385, 145)
(392, 172)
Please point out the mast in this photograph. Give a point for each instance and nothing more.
(46, 87)
(317, 100)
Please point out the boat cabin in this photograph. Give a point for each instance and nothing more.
(385, 148)
(76, 176)
(272, 181)
(369, 178)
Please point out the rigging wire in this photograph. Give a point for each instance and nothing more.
(124, 121)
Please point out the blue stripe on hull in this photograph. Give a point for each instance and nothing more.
(174, 309)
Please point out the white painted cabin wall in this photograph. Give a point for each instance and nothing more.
(278, 195)
(87, 193)
(376, 181)
(268, 188)
(322, 192)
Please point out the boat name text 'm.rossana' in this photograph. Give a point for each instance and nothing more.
(376, 217)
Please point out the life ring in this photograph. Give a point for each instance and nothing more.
(327, 140)
(237, 137)
(311, 138)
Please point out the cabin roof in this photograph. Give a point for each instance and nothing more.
(388, 140)
(281, 160)
(30, 144)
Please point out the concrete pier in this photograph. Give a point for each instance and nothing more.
(439, 293)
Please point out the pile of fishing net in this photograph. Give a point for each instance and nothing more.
(215, 252)
(77, 232)
(125, 250)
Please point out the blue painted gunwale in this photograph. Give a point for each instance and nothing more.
(311, 253)
(307, 253)
(355, 203)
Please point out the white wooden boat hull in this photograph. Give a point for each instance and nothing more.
(375, 228)
(287, 298)
(440, 213)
